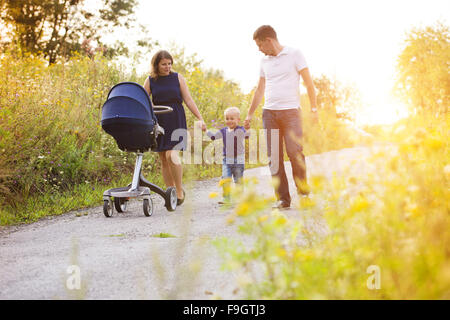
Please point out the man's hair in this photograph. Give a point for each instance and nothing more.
(264, 32)
(232, 110)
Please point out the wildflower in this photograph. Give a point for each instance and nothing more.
(360, 203)
(243, 209)
(318, 182)
(304, 255)
(412, 210)
(280, 220)
(281, 252)
(224, 181)
(212, 195)
(306, 202)
(263, 218)
(434, 143)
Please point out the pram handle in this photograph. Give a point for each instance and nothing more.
(162, 109)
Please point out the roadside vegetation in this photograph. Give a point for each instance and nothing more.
(386, 232)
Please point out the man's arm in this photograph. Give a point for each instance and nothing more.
(310, 88)
(257, 98)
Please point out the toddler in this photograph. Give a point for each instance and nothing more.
(233, 136)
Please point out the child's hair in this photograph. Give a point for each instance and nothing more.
(232, 110)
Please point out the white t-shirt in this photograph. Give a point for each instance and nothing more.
(282, 76)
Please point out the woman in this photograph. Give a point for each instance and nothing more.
(169, 88)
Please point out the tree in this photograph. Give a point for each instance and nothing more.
(57, 28)
(423, 69)
(336, 98)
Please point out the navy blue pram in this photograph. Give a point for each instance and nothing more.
(129, 116)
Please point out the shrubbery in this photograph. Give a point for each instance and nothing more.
(393, 218)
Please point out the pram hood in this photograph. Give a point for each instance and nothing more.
(128, 116)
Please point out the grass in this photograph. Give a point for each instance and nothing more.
(163, 235)
(120, 235)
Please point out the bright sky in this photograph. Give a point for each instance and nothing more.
(355, 41)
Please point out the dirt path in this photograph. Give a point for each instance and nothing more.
(120, 258)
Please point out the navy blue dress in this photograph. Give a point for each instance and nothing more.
(166, 92)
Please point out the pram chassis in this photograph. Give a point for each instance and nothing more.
(117, 198)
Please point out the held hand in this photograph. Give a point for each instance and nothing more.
(201, 124)
(247, 122)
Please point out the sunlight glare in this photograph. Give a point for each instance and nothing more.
(382, 113)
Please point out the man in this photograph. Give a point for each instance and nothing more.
(279, 83)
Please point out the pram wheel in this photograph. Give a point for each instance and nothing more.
(171, 198)
(120, 204)
(107, 208)
(148, 207)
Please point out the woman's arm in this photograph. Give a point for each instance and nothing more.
(186, 96)
(147, 86)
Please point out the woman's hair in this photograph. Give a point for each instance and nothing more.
(264, 32)
(162, 54)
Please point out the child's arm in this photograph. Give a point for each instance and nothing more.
(214, 136)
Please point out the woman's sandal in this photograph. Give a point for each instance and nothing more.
(180, 201)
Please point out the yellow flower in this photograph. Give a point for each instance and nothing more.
(224, 181)
(281, 252)
(434, 143)
(412, 210)
(317, 183)
(360, 203)
(304, 255)
(243, 209)
(212, 195)
(263, 218)
(280, 220)
(306, 202)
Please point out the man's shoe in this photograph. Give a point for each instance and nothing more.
(282, 205)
